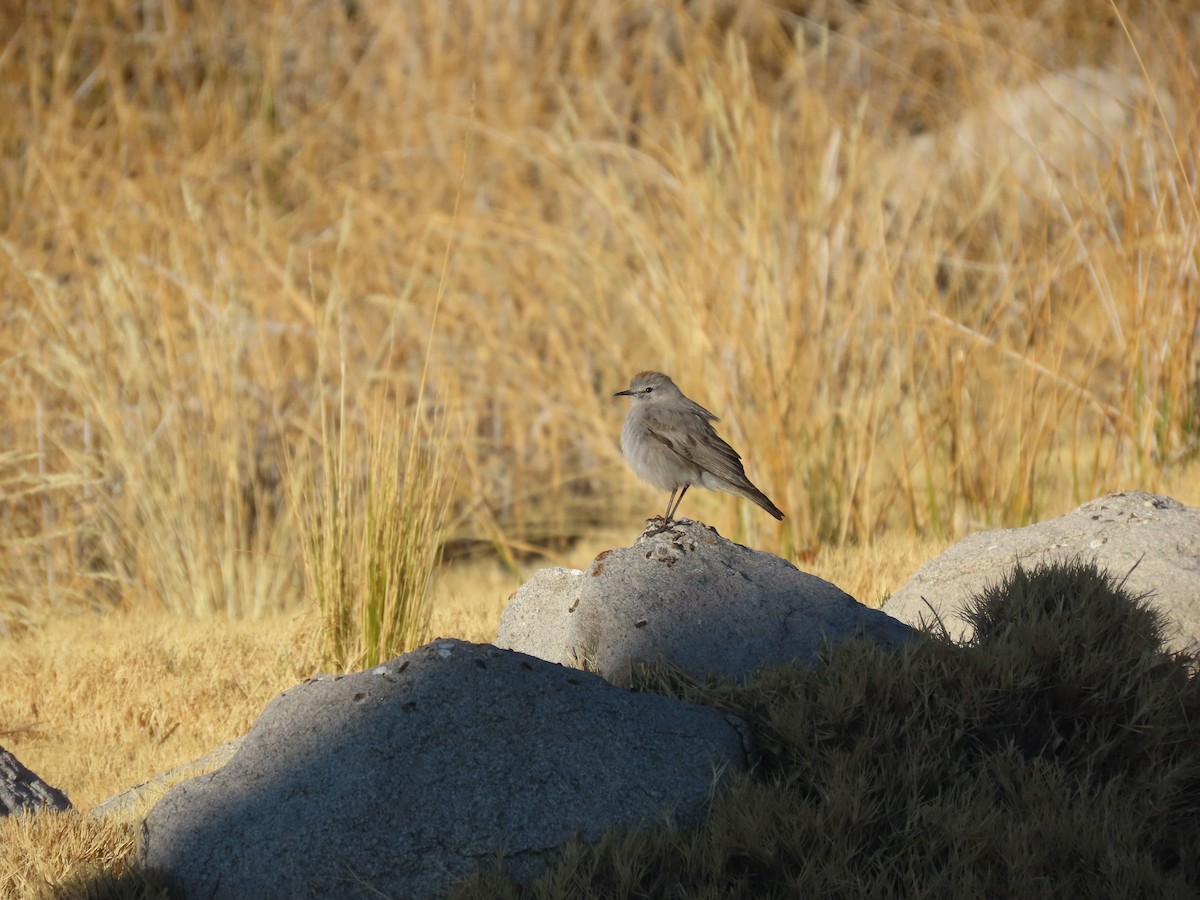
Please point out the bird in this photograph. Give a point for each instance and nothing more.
(669, 441)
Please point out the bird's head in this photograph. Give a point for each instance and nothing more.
(650, 387)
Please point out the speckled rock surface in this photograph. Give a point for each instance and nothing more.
(685, 594)
(396, 781)
(537, 618)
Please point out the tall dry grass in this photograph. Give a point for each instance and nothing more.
(373, 540)
(187, 191)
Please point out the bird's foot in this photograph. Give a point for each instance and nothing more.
(659, 524)
(656, 525)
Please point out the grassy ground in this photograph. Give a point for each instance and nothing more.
(236, 238)
(96, 704)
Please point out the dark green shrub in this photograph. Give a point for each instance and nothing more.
(1057, 754)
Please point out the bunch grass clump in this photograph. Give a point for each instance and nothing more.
(373, 538)
(1056, 754)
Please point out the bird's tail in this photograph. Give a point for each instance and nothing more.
(750, 492)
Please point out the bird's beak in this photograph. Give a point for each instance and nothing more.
(623, 394)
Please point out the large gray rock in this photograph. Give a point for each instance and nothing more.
(689, 596)
(23, 791)
(399, 780)
(1152, 543)
(1051, 139)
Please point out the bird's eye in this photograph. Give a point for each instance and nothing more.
(649, 390)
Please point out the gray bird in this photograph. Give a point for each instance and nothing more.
(669, 442)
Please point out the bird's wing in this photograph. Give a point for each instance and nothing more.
(700, 410)
(695, 440)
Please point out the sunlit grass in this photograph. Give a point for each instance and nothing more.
(373, 539)
(897, 339)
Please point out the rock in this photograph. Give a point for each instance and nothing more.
(1053, 136)
(536, 620)
(687, 595)
(23, 791)
(127, 801)
(1150, 542)
(399, 780)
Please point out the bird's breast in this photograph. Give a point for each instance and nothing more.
(650, 460)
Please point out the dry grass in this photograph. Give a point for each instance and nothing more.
(222, 225)
(97, 704)
(215, 218)
(372, 543)
(65, 855)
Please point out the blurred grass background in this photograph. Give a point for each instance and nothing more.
(217, 220)
(933, 263)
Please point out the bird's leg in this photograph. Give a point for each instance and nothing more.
(672, 509)
(670, 501)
